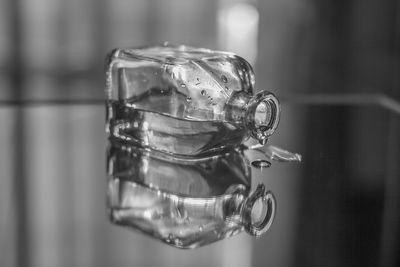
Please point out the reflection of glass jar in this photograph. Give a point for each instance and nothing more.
(186, 204)
(184, 100)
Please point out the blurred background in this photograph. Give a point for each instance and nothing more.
(334, 65)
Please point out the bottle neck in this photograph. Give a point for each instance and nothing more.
(259, 113)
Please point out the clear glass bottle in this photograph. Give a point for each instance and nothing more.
(185, 101)
(186, 204)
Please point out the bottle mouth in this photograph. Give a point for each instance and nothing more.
(263, 116)
(259, 211)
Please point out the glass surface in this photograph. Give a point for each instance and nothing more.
(338, 207)
(337, 60)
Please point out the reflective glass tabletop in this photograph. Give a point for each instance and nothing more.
(338, 207)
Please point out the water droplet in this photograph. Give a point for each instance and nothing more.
(188, 99)
(203, 92)
(224, 79)
(183, 85)
(262, 138)
(261, 163)
(201, 228)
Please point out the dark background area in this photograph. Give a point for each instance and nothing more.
(334, 65)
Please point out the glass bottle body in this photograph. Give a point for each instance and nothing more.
(185, 101)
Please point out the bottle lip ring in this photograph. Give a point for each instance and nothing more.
(273, 103)
(257, 229)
